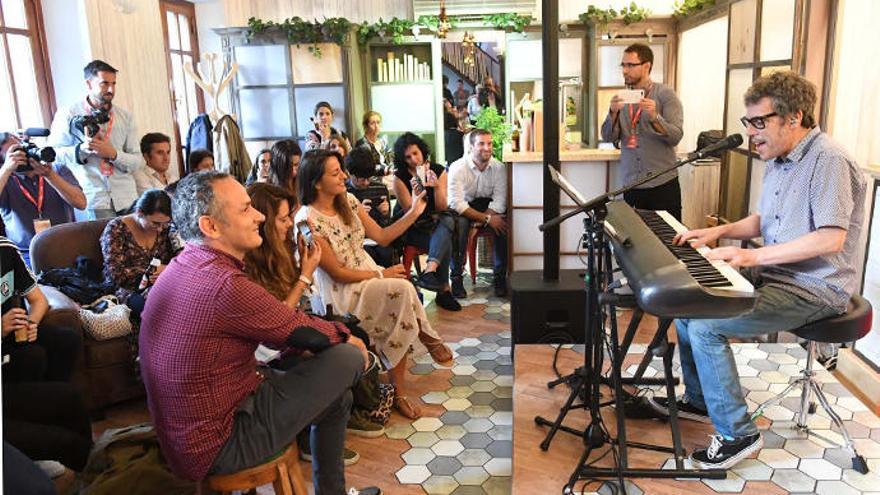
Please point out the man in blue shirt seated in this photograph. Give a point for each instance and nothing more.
(810, 216)
(33, 195)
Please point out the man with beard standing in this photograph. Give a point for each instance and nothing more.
(478, 193)
(647, 130)
(102, 161)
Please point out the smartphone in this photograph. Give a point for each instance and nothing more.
(632, 96)
(420, 178)
(306, 232)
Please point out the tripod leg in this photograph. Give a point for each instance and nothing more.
(576, 383)
(658, 340)
(616, 365)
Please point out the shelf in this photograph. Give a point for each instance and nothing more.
(400, 83)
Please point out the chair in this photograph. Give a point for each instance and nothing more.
(103, 370)
(475, 233)
(848, 327)
(411, 254)
(283, 472)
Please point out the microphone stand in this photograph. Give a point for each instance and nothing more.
(585, 381)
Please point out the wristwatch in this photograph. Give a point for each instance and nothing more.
(488, 219)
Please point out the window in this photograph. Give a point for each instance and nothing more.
(25, 96)
(181, 48)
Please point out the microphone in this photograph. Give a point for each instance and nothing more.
(730, 142)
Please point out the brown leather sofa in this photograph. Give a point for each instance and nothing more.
(104, 372)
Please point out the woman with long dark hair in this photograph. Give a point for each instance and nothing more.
(350, 281)
(283, 167)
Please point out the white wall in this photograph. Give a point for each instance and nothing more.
(209, 15)
(702, 59)
(68, 47)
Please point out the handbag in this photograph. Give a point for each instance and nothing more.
(372, 399)
(111, 322)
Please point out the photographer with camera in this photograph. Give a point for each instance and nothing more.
(369, 190)
(99, 143)
(26, 204)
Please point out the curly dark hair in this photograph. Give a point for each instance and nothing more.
(789, 92)
(406, 140)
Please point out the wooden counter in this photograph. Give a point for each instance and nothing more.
(579, 155)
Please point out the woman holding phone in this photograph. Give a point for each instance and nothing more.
(350, 281)
(435, 228)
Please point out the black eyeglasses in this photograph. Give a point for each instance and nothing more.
(630, 65)
(758, 122)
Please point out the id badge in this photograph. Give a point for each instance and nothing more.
(41, 224)
(106, 168)
(632, 141)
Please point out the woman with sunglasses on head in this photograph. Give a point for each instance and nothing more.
(131, 243)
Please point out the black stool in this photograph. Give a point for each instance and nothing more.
(848, 327)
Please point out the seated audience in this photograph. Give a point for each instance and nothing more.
(214, 410)
(339, 144)
(26, 204)
(371, 192)
(133, 243)
(35, 351)
(351, 282)
(323, 121)
(452, 134)
(156, 148)
(435, 228)
(372, 123)
(478, 192)
(260, 170)
(286, 155)
(200, 160)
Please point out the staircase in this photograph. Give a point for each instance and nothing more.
(484, 65)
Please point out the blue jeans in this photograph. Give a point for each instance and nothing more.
(439, 243)
(707, 365)
(499, 246)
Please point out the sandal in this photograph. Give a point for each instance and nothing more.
(405, 407)
(440, 353)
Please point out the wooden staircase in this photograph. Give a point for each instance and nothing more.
(485, 65)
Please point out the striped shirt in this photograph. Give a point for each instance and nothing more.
(817, 185)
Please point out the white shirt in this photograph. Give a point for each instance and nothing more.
(147, 178)
(467, 182)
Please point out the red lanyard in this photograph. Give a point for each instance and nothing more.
(40, 190)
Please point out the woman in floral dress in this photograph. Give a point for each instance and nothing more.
(350, 281)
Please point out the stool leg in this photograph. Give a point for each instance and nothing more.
(808, 379)
(776, 399)
(282, 480)
(297, 480)
(858, 461)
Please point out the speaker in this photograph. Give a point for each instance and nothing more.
(547, 311)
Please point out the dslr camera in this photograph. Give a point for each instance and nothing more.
(41, 154)
(92, 122)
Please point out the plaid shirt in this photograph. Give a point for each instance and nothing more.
(203, 320)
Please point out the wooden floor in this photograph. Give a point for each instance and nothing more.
(536, 471)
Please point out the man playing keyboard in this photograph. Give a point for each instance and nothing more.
(809, 216)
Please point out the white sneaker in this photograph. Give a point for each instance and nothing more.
(53, 469)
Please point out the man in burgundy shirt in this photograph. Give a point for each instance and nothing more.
(214, 411)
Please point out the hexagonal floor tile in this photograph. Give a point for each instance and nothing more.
(793, 480)
(475, 440)
(852, 403)
(471, 475)
(457, 404)
(804, 448)
(484, 386)
(473, 457)
(464, 369)
(460, 380)
(399, 431)
(504, 381)
(435, 398)
(498, 485)
(481, 398)
(478, 425)
(480, 411)
(820, 469)
(451, 432)
(440, 485)
(447, 447)
(502, 418)
(427, 424)
(733, 483)
(778, 458)
(499, 466)
(501, 432)
(753, 470)
(484, 375)
(503, 392)
(863, 482)
(454, 418)
(444, 466)
(608, 489)
(418, 456)
(502, 404)
(460, 392)
(423, 439)
(469, 490)
(500, 448)
(835, 488)
(408, 475)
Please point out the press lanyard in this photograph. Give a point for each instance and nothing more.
(40, 190)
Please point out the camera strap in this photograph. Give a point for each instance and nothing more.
(40, 193)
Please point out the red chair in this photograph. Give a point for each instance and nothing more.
(411, 253)
(475, 233)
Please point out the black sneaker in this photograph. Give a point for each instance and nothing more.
(724, 454)
(429, 281)
(446, 301)
(458, 288)
(500, 287)
(686, 410)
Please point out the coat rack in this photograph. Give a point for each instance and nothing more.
(213, 83)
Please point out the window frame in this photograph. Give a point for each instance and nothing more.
(36, 33)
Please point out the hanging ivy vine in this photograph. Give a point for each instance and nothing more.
(684, 8)
(629, 14)
(299, 31)
(509, 22)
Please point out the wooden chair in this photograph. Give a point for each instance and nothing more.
(282, 471)
(411, 254)
(475, 233)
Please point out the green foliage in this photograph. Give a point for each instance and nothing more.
(432, 22)
(395, 29)
(684, 8)
(508, 22)
(493, 122)
(633, 13)
(299, 31)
